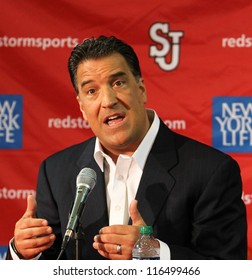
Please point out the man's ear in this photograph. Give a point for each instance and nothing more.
(143, 90)
(81, 107)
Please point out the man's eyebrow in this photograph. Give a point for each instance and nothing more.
(86, 82)
(112, 76)
(118, 74)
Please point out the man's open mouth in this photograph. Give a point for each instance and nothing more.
(113, 120)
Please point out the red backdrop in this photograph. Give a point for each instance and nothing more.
(196, 61)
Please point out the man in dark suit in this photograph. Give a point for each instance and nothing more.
(146, 174)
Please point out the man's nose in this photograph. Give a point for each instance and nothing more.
(109, 97)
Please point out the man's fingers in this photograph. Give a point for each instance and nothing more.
(31, 207)
(31, 251)
(38, 242)
(31, 232)
(135, 215)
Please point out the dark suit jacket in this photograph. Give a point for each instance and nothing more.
(189, 192)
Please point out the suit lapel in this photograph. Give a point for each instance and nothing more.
(95, 211)
(156, 182)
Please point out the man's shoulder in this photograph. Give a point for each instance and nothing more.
(191, 147)
(72, 151)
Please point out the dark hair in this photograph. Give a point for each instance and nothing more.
(102, 46)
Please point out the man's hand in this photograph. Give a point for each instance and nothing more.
(116, 242)
(32, 235)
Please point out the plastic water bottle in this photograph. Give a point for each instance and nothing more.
(146, 247)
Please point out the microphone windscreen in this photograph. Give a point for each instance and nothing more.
(87, 176)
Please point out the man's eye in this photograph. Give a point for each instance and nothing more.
(91, 91)
(119, 83)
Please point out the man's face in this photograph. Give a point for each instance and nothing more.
(112, 100)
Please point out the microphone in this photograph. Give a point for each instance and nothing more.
(85, 182)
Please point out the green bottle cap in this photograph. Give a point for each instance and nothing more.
(146, 230)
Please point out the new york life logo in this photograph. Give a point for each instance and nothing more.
(232, 124)
(166, 52)
(11, 107)
(3, 252)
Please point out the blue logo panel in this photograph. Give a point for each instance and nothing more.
(11, 121)
(3, 251)
(232, 124)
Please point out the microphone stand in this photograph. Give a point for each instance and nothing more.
(78, 236)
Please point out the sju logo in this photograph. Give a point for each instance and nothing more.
(170, 44)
